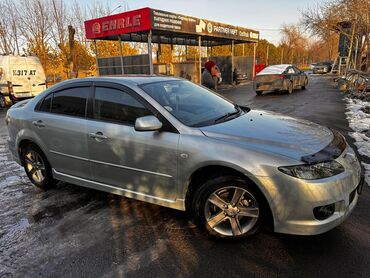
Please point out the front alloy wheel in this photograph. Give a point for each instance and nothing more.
(228, 207)
(231, 211)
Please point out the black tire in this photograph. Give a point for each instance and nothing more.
(2, 101)
(247, 226)
(305, 84)
(290, 87)
(37, 167)
(259, 93)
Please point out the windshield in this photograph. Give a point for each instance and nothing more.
(191, 104)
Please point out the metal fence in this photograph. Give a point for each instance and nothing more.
(139, 64)
(135, 64)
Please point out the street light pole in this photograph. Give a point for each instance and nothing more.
(200, 59)
(150, 53)
(121, 54)
(254, 59)
(232, 61)
(96, 56)
(119, 6)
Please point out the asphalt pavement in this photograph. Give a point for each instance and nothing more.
(72, 231)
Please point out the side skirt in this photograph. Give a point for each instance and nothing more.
(178, 204)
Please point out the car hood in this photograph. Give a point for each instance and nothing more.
(272, 132)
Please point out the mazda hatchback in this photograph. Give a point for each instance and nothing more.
(173, 143)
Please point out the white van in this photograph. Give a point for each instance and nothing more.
(23, 76)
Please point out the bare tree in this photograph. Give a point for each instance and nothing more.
(9, 31)
(59, 14)
(97, 9)
(78, 17)
(324, 19)
(35, 23)
(60, 20)
(294, 44)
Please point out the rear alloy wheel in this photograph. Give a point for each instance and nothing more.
(37, 167)
(305, 84)
(2, 101)
(228, 208)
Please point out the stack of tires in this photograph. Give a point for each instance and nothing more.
(2, 101)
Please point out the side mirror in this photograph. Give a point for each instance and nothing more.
(147, 123)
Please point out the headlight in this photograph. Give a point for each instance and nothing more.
(313, 171)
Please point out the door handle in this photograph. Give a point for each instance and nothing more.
(38, 123)
(98, 135)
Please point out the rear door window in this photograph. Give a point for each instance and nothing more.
(71, 102)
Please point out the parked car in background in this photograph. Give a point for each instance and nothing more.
(283, 77)
(173, 143)
(312, 66)
(322, 67)
(21, 77)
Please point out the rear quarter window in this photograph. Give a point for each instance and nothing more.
(46, 104)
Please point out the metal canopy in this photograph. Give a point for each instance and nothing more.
(155, 26)
(159, 37)
(166, 28)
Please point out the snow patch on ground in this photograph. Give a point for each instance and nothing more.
(10, 181)
(359, 122)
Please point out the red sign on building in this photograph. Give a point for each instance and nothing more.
(146, 19)
(123, 23)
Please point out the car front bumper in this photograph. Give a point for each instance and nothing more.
(293, 200)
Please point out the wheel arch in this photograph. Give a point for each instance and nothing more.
(207, 172)
(26, 142)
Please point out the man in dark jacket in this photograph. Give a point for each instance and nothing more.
(210, 75)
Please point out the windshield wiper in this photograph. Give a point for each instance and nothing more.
(228, 115)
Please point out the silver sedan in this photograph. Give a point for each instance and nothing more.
(170, 142)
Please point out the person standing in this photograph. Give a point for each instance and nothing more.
(235, 77)
(210, 75)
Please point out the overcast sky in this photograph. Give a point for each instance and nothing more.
(260, 15)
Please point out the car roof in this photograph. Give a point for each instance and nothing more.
(135, 80)
(274, 69)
